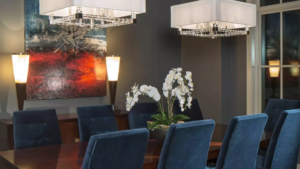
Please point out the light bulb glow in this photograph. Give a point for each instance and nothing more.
(294, 70)
(274, 71)
(20, 67)
(113, 66)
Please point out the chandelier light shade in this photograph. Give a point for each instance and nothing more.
(213, 18)
(20, 67)
(93, 13)
(113, 66)
(274, 71)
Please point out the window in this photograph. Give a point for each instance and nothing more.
(277, 58)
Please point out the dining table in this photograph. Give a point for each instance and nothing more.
(71, 155)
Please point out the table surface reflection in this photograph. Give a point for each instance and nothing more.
(70, 156)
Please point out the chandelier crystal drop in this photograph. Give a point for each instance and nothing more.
(213, 18)
(92, 13)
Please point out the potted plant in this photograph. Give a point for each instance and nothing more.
(176, 86)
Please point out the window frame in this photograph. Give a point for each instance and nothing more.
(254, 54)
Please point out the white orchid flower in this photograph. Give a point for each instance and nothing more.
(167, 86)
(144, 88)
(166, 93)
(169, 80)
(172, 72)
(152, 93)
(182, 100)
(157, 97)
(134, 88)
(177, 76)
(182, 91)
(178, 69)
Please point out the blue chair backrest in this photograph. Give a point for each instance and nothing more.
(141, 113)
(95, 120)
(194, 113)
(36, 128)
(274, 109)
(187, 145)
(241, 142)
(284, 145)
(116, 150)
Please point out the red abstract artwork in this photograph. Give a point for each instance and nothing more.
(53, 76)
(65, 62)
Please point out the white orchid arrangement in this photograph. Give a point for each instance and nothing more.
(182, 92)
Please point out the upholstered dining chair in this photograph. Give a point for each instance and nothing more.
(283, 149)
(141, 113)
(95, 120)
(35, 128)
(116, 150)
(275, 107)
(194, 112)
(186, 145)
(241, 142)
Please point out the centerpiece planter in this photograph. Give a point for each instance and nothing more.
(165, 117)
(160, 135)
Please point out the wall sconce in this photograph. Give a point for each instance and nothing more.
(274, 71)
(20, 67)
(294, 70)
(274, 74)
(113, 66)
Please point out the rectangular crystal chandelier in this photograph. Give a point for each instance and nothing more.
(92, 13)
(213, 18)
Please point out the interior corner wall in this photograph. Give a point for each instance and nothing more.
(234, 77)
(11, 41)
(202, 56)
(149, 49)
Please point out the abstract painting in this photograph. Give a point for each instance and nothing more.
(65, 62)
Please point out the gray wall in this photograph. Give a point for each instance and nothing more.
(234, 77)
(219, 72)
(148, 50)
(202, 56)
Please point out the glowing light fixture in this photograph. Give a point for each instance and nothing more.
(113, 66)
(294, 70)
(213, 18)
(20, 67)
(92, 13)
(274, 71)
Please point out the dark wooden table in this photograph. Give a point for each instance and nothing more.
(70, 156)
(68, 124)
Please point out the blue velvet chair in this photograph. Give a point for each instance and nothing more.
(186, 145)
(194, 113)
(141, 113)
(117, 150)
(35, 128)
(241, 142)
(284, 145)
(275, 107)
(95, 120)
